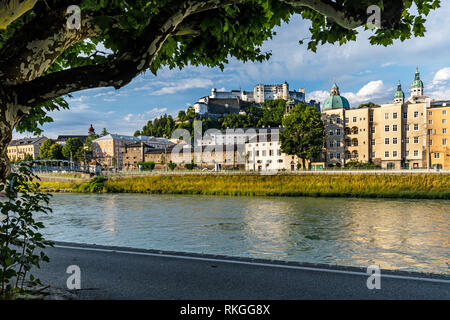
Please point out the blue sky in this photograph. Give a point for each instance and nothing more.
(363, 72)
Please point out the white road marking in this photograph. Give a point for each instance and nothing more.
(260, 264)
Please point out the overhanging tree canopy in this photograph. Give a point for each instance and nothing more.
(41, 59)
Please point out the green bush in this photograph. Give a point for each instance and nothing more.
(96, 184)
(21, 243)
(190, 166)
(172, 165)
(147, 166)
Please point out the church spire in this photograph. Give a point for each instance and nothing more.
(417, 85)
(399, 96)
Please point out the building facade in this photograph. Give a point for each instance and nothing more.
(392, 136)
(438, 133)
(107, 150)
(21, 148)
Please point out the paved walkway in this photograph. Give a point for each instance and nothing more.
(123, 273)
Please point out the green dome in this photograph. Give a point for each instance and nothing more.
(417, 83)
(336, 102)
(399, 93)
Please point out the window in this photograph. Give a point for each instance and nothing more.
(416, 139)
(416, 126)
(386, 116)
(331, 121)
(416, 153)
(430, 121)
(338, 132)
(431, 142)
(331, 133)
(405, 115)
(444, 142)
(394, 115)
(430, 113)
(264, 153)
(355, 119)
(394, 127)
(386, 154)
(257, 153)
(394, 140)
(338, 155)
(279, 152)
(271, 153)
(347, 120)
(331, 144)
(416, 114)
(444, 120)
(374, 154)
(371, 118)
(386, 128)
(394, 154)
(280, 160)
(331, 156)
(338, 120)
(407, 153)
(373, 142)
(444, 130)
(437, 155)
(373, 129)
(386, 140)
(444, 112)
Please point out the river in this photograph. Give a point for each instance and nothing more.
(411, 235)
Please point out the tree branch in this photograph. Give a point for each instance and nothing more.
(331, 10)
(11, 10)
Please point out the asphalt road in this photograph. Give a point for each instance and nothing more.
(123, 273)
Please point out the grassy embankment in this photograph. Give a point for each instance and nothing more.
(361, 185)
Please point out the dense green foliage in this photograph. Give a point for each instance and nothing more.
(21, 243)
(303, 133)
(71, 148)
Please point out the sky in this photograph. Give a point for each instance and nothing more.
(363, 72)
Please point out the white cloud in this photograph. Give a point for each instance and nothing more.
(183, 85)
(442, 76)
(374, 91)
(318, 95)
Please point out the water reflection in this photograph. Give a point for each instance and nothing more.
(410, 235)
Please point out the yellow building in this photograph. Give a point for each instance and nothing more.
(439, 134)
(393, 135)
(19, 149)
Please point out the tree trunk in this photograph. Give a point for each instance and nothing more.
(304, 164)
(10, 115)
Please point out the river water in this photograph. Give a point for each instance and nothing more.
(409, 235)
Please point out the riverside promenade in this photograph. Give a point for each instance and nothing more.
(125, 273)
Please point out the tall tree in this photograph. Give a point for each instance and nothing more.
(48, 49)
(303, 133)
(71, 148)
(104, 132)
(44, 151)
(56, 152)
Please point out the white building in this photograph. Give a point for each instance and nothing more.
(217, 102)
(264, 153)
